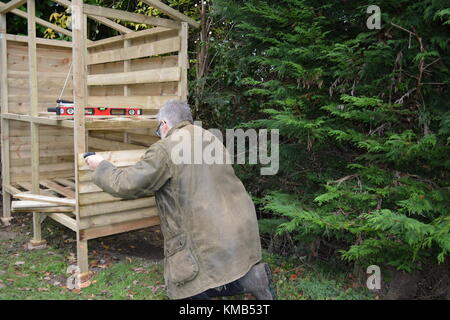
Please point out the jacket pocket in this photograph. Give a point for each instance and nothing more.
(181, 262)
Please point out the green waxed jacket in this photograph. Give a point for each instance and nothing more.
(208, 220)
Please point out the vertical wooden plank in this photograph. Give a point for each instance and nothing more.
(79, 54)
(126, 68)
(6, 217)
(32, 69)
(183, 61)
(79, 74)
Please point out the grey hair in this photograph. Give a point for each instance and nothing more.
(174, 111)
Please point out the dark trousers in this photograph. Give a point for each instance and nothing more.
(230, 289)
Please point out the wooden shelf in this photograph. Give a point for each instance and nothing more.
(91, 122)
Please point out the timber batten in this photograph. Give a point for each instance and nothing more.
(43, 171)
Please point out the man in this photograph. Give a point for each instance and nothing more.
(211, 237)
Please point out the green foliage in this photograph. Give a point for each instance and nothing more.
(363, 117)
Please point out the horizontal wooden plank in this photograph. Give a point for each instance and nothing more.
(108, 145)
(118, 158)
(115, 206)
(135, 77)
(129, 36)
(23, 170)
(135, 52)
(143, 102)
(27, 204)
(42, 175)
(49, 42)
(40, 198)
(131, 123)
(117, 217)
(26, 154)
(95, 197)
(93, 233)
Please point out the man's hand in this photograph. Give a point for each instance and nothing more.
(93, 161)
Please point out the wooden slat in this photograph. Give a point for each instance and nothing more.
(64, 191)
(37, 197)
(129, 36)
(39, 120)
(135, 77)
(64, 219)
(48, 42)
(93, 233)
(104, 144)
(28, 205)
(143, 102)
(118, 158)
(171, 12)
(117, 217)
(135, 52)
(11, 5)
(96, 197)
(115, 206)
(11, 189)
(66, 182)
(129, 16)
(5, 124)
(55, 209)
(183, 62)
(121, 124)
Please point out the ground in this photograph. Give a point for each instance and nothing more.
(129, 266)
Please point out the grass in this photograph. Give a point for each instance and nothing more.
(42, 274)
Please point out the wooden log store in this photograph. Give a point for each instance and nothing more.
(42, 165)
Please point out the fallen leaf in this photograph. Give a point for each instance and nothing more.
(293, 277)
(19, 263)
(20, 274)
(276, 270)
(129, 259)
(85, 284)
(43, 289)
(24, 289)
(2, 285)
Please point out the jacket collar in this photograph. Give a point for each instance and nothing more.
(179, 125)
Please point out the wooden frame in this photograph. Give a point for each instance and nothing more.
(42, 165)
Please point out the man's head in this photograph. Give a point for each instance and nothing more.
(172, 113)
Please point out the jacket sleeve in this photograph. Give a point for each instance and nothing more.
(140, 180)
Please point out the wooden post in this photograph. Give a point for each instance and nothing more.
(6, 217)
(183, 61)
(32, 69)
(126, 93)
(79, 53)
